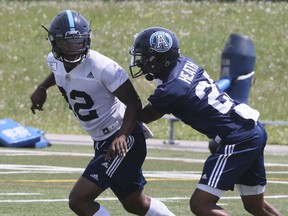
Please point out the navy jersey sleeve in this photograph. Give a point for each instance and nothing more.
(167, 97)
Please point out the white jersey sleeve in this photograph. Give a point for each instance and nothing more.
(88, 89)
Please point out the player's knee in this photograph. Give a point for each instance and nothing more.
(139, 205)
(130, 208)
(194, 205)
(139, 208)
(250, 207)
(253, 207)
(75, 203)
(199, 206)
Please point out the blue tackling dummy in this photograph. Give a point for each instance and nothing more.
(13, 134)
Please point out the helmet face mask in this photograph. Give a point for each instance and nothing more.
(71, 46)
(140, 61)
(153, 51)
(70, 37)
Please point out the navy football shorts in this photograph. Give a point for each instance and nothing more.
(122, 175)
(241, 162)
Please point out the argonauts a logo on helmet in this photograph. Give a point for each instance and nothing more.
(161, 41)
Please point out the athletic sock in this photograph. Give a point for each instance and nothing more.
(158, 208)
(102, 212)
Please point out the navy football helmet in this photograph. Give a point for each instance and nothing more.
(153, 51)
(70, 37)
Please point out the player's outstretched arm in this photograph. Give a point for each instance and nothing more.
(149, 114)
(39, 95)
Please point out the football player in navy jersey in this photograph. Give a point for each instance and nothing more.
(187, 92)
(106, 105)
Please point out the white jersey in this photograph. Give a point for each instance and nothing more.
(88, 90)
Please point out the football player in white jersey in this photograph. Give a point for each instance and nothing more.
(187, 92)
(103, 99)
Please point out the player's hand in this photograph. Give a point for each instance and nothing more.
(117, 148)
(38, 98)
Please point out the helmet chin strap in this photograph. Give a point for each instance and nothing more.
(73, 61)
(70, 65)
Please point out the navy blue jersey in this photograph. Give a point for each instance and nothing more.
(191, 95)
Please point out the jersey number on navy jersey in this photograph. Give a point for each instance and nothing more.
(219, 101)
(86, 105)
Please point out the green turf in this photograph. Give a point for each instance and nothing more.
(202, 28)
(48, 192)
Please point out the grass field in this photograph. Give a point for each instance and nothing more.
(202, 28)
(38, 181)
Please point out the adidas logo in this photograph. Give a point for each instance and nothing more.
(95, 176)
(105, 164)
(90, 75)
(204, 176)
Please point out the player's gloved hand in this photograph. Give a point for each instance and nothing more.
(117, 148)
(38, 98)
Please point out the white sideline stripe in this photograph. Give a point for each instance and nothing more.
(21, 169)
(18, 194)
(19, 152)
(277, 182)
(16, 152)
(10, 152)
(112, 199)
(30, 201)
